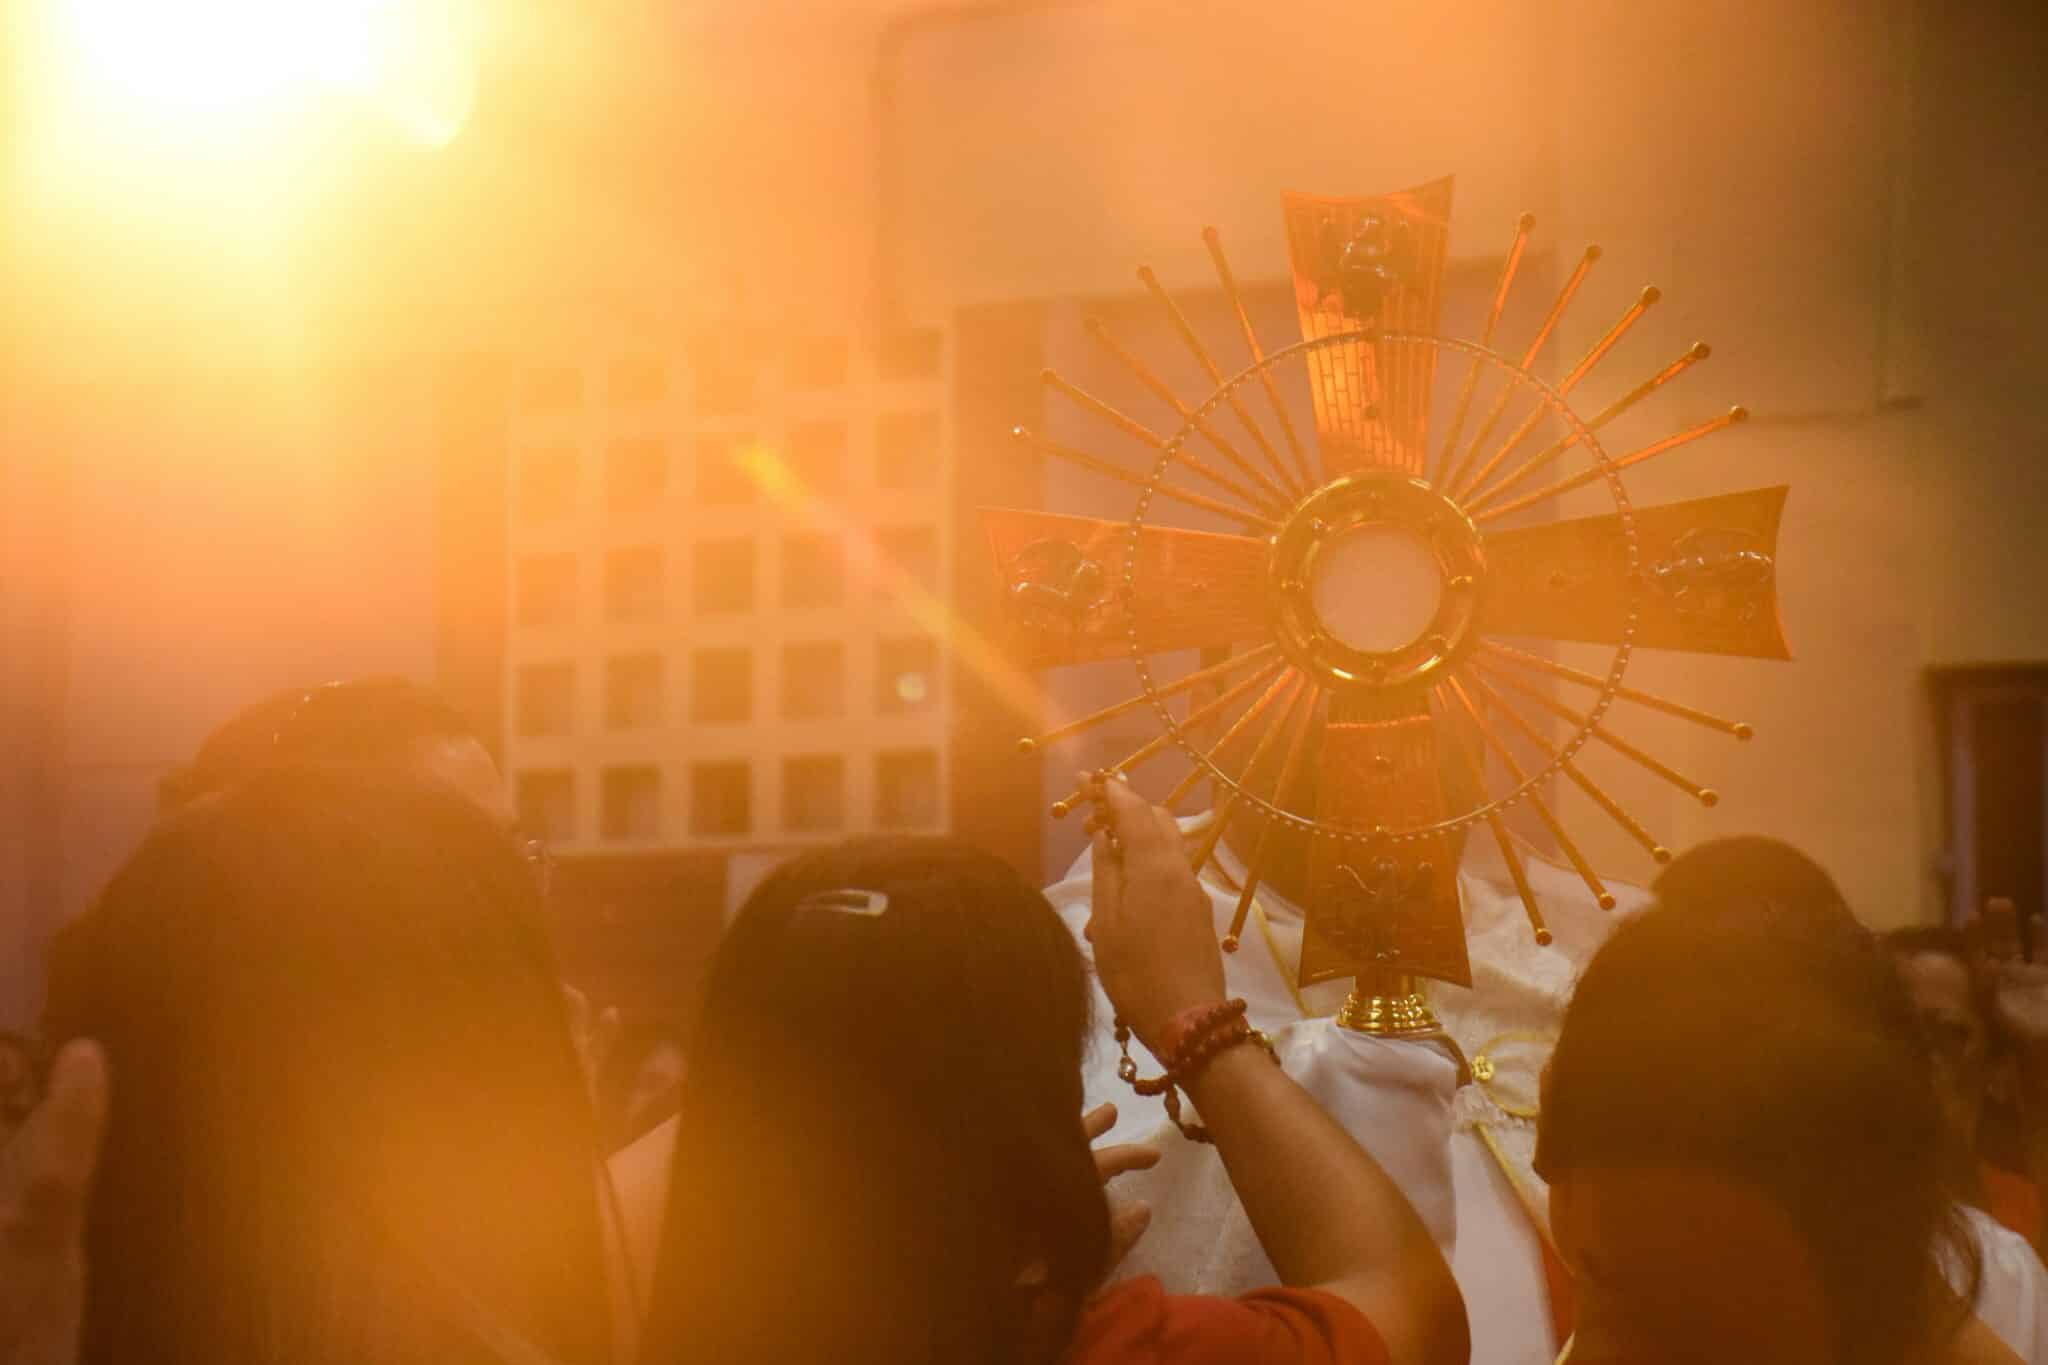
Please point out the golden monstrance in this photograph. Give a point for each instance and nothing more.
(1361, 618)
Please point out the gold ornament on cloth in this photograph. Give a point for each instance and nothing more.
(1508, 1069)
(1376, 567)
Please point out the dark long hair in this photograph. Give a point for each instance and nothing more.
(347, 1119)
(880, 1156)
(1747, 1025)
(358, 721)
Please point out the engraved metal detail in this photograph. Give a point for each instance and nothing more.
(1716, 574)
(1053, 585)
(1378, 258)
(1371, 916)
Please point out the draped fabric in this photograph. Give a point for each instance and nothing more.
(1460, 1154)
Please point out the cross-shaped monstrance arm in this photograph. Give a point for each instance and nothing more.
(1372, 263)
(1708, 570)
(1380, 904)
(1062, 581)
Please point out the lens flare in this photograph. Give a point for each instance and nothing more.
(202, 70)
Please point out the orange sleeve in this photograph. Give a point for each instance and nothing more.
(2012, 1200)
(1139, 1323)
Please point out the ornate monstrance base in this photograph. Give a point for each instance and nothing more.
(1388, 1005)
(1385, 1004)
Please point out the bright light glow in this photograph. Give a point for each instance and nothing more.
(190, 167)
(202, 69)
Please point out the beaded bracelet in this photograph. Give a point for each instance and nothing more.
(1190, 1026)
(1203, 1034)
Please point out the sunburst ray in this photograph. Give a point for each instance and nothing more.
(1552, 754)
(1275, 497)
(1262, 654)
(1535, 348)
(1606, 343)
(1509, 265)
(1214, 241)
(1202, 358)
(1694, 354)
(1138, 431)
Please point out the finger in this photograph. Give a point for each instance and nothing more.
(1169, 828)
(61, 1145)
(1108, 874)
(605, 1034)
(1135, 824)
(579, 1010)
(1123, 1158)
(1127, 1223)
(1098, 1120)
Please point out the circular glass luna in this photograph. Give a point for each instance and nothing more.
(1377, 587)
(1375, 583)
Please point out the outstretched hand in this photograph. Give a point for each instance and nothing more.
(45, 1175)
(2019, 986)
(2020, 990)
(1128, 1218)
(1151, 923)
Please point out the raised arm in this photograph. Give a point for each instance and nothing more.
(1325, 1213)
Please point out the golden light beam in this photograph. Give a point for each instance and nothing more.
(1655, 448)
(1706, 796)
(1195, 679)
(1196, 772)
(1601, 895)
(1025, 436)
(1138, 431)
(1592, 789)
(1694, 354)
(1255, 867)
(1214, 241)
(1206, 848)
(1202, 358)
(1156, 745)
(781, 485)
(1500, 835)
(1644, 302)
(1523, 225)
(1564, 298)
(1739, 729)
(1165, 393)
